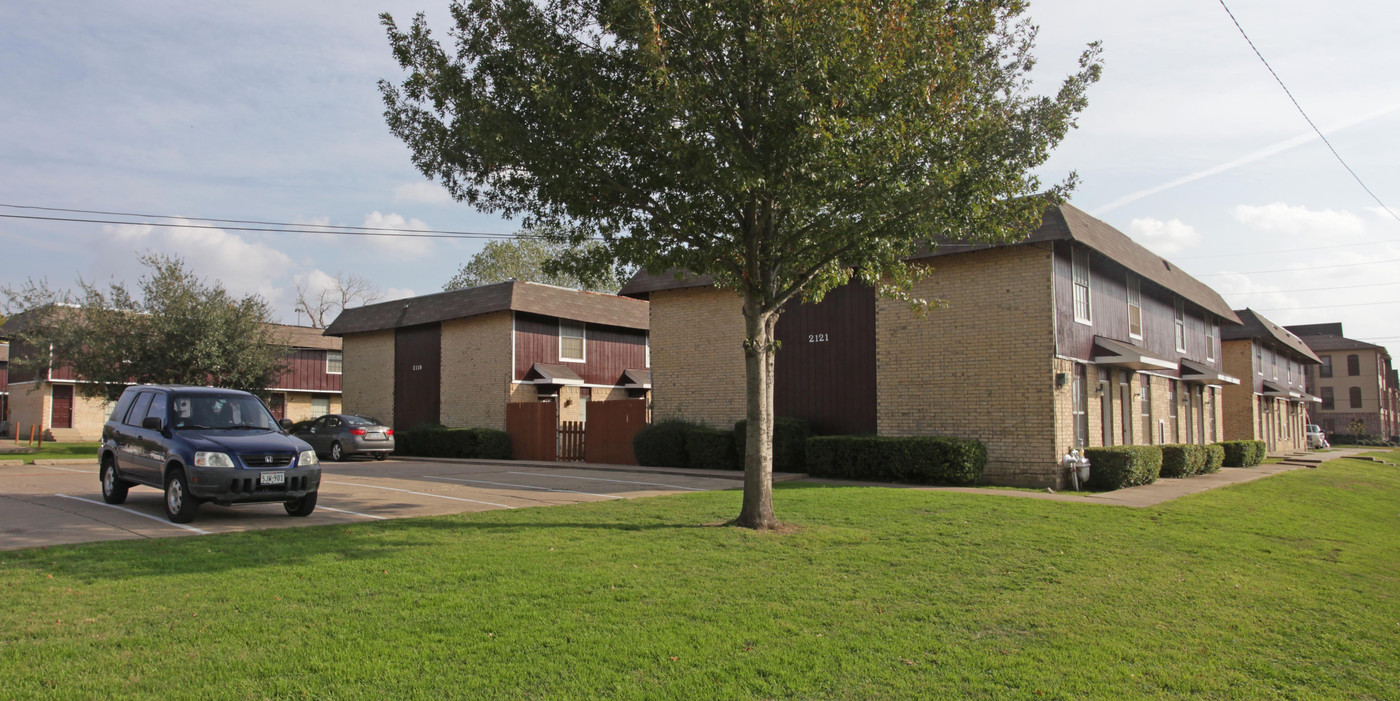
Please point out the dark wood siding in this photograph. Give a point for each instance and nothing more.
(608, 350)
(824, 372)
(417, 375)
(306, 370)
(1108, 299)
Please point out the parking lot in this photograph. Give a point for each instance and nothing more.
(56, 504)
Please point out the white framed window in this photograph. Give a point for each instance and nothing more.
(1180, 325)
(1134, 306)
(572, 337)
(1273, 356)
(320, 406)
(1083, 312)
(335, 362)
(1210, 340)
(648, 339)
(1259, 358)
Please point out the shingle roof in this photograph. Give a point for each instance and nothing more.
(1257, 326)
(303, 337)
(1333, 328)
(1330, 343)
(578, 305)
(1063, 222)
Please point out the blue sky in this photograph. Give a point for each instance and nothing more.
(269, 110)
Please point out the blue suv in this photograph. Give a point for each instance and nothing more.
(204, 444)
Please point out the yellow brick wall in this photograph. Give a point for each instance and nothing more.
(697, 356)
(1241, 405)
(983, 367)
(523, 393)
(367, 384)
(31, 405)
(476, 371)
(298, 407)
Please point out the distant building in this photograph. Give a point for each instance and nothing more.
(4, 383)
(1270, 403)
(1354, 380)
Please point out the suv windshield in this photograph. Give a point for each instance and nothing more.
(220, 411)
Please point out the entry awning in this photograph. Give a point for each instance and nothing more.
(1309, 398)
(1117, 353)
(542, 374)
(636, 379)
(1192, 371)
(1275, 389)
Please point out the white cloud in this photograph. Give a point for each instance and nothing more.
(1299, 220)
(398, 293)
(243, 267)
(1164, 237)
(395, 246)
(422, 193)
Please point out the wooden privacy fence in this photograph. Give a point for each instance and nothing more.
(571, 437)
(611, 427)
(531, 426)
(606, 437)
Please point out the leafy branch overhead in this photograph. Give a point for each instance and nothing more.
(531, 257)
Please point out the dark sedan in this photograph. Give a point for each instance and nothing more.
(339, 436)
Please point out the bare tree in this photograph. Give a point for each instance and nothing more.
(345, 290)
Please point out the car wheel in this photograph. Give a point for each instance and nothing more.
(301, 507)
(337, 454)
(113, 488)
(380, 455)
(180, 505)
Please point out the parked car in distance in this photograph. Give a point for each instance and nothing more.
(203, 444)
(1316, 438)
(338, 436)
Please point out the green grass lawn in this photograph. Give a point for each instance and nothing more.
(1284, 587)
(53, 451)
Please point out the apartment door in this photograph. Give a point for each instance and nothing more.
(1125, 406)
(1199, 397)
(62, 411)
(1106, 400)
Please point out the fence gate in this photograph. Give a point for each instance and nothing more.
(532, 429)
(571, 441)
(611, 427)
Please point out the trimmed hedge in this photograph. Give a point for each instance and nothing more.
(663, 444)
(1242, 453)
(1122, 466)
(918, 459)
(711, 449)
(789, 443)
(1215, 457)
(1183, 460)
(440, 442)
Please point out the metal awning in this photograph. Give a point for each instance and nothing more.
(1127, 355)
(1276, 389)
(636, 379)
(1192, 371)
(1305, 397)
(542, 374)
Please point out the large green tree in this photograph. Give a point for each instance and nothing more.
(174, 328)
(531, 257)
(780, 146)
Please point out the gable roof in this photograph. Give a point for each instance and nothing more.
(1063, 222)
(1257, 326)
(512, 295)
(1329, 342)
(303, 337)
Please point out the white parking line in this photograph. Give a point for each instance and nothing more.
(352, 513)
(524, 486)
(600, 479)
(138, 513)
(67, 469)
(421, 494)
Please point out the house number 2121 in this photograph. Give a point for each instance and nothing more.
(817, 338)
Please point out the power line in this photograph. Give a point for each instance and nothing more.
(1313, 289)
(1309, 120)
(1298, 270)
(1283, 250)
(1329, 306)
(397, 233)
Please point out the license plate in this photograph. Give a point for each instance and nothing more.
(375, 435)
(272, 478)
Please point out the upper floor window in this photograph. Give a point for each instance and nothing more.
(1355, 397)
(1325, 370)
(1353, 365)
(1273, 359)
(1258, 358)
(1210, 341)
(1180, 325)
(1328, 401)
(335, 361)
(571, 338)
(1134, 306)
(1082, 310)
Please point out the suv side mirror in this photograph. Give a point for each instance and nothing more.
(286, 424)
(151, 423)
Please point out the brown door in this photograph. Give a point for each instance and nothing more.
(62, 407)
(278, 404)
(824, 371)
(417, 376)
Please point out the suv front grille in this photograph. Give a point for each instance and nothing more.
(256, 460)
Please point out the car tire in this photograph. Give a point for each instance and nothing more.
(380, 455)
(180, 505)
(337, 453)
(301, 507)
(114, 488)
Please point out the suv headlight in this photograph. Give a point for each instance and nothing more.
(307, 458)
(203, 459)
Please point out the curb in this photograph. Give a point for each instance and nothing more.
(68, 461)
(737, 476)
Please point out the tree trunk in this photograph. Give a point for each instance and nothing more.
(757, 511)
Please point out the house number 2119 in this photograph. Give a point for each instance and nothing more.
(817, 338)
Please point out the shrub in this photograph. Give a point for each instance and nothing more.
(663, 444)
(1237, 453)
(429, 441)
(711, 449)
(1215, 457)
(1183, 460)
(918, 459)
(1122, 466)
(789, 443)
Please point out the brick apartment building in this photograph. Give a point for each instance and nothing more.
(457, 358)
(51, 400)
(1354, 379)
(1271, 402)
(1075, 336)
(4, 385)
